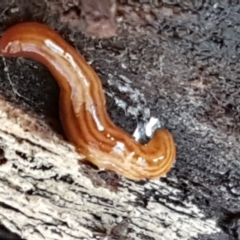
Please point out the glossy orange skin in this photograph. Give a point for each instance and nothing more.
(82, 106)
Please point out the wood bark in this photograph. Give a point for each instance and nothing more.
(175, 60)
(45, 193)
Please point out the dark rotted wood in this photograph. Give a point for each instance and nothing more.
(174, 60)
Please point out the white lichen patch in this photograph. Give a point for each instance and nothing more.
(134, 94)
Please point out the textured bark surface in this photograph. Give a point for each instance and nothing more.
(174, 60)
(45, 195)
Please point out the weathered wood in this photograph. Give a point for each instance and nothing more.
(177, 61)
(37, 203)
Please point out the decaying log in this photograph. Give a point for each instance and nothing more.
(44, 193)
(174, 60)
